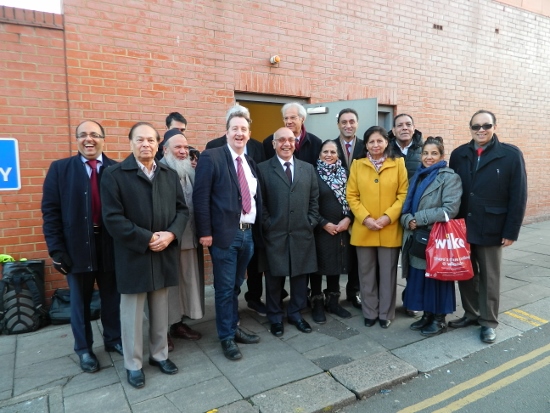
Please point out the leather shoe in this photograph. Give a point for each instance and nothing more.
(170, 343)
(384, 323)
(166, 366)
(117, 348)
(462, 322)
(354, 300)
(488, 335)
(302, 325)
(88, 362)
(231, 350)
(277, 329)
(181, 330)
(369, 322)
(245, 338)
(258, 306)
(136, 378)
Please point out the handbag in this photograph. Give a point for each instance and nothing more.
(60, 310)
(419, 242)
(448, 252)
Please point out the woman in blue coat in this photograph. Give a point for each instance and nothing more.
(434, 194)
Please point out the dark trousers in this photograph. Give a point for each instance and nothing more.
(254, 280)
(298, 293)
(81, 286)
(352, 286)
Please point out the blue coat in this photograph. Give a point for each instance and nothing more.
(217, 197)
(494, 196)
(67, 215)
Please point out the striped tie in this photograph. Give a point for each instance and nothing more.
(245, 191)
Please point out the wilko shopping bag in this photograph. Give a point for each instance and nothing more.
(448, 252)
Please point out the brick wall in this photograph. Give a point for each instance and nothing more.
(139, 60)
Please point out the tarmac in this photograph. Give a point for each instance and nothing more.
(338, 363)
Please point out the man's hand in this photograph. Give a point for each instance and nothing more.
(506, 242)
(160, 240)
(62, 262)
(206, 241)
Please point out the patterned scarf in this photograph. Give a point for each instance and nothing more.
(334, 175)
(376, 162)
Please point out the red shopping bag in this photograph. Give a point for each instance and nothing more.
(448, 252)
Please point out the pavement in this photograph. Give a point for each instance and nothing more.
(338, 363)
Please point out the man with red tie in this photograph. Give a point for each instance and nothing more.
(79, 246)
(228, 205)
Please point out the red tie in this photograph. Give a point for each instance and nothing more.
(348, 147)
(96, 201)
(479, 150)
(243, 183)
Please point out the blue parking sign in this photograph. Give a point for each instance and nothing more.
(10, 173)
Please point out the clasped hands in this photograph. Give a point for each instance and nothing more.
(376, 224)
(160, 240)
(334, 229)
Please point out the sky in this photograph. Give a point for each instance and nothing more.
(51, 6)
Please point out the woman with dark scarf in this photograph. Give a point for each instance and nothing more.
(433, 196)
(331, 234)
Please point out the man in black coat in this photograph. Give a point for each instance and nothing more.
(80, 247)
(254, 150)
(494, 198)
(350, 147)
(228, 204)
(308, 146)
(145, 212)
(406, 142)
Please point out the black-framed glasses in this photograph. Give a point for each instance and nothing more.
(487, 126)
(93, 135)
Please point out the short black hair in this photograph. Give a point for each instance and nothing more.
(178, 117)
(347, 110)
(402, 114)
(484, 111)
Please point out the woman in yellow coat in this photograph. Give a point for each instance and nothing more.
(377, 187)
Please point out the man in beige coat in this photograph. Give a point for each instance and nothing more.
(186, 299)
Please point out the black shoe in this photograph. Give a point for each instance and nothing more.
(284, 294)
(411, 313)
(258, 306)
(318, 309)
(369, 322)
(117, 348)
(277, 329)
(88, 362)
(165, 366)
(301, 325)
(437, 326)
(488, 335)
(231, 350)
(426, 320)
(136, 378)
(333, 305)
(245, 338)
(354, 300)
(463, 322)
(384, 323)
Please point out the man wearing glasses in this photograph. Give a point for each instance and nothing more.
(290, 214)
(494, 198)
(79, 246)
(307, 145)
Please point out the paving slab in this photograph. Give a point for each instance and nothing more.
(205, 396)
(527, 317)
(522, 296)
(434, 352)
(42, 401)
(155, 405)
(47, 373)
(541, 260)
(105, 399)
(241, 406)
(320, 393)
(366, 376)
(84, 382)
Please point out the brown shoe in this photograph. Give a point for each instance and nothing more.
(170, 343)
(181, 330)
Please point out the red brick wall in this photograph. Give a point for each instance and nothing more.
(34, 110)
(128, 62)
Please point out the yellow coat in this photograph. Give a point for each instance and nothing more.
(374, 194)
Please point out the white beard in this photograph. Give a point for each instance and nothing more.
(182, 166)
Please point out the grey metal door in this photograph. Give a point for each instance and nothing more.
(324, 125)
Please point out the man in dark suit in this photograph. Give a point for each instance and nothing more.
(227, 202)
(145, 211)
(254, 150)
(350, 147)
(80, 247)
(290, 213)
(494, 198)
(307, 145)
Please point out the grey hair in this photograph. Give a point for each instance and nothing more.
(301, 110)
(237, 108)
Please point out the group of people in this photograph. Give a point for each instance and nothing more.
(291, 207)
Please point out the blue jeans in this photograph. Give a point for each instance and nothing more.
(229, 268)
